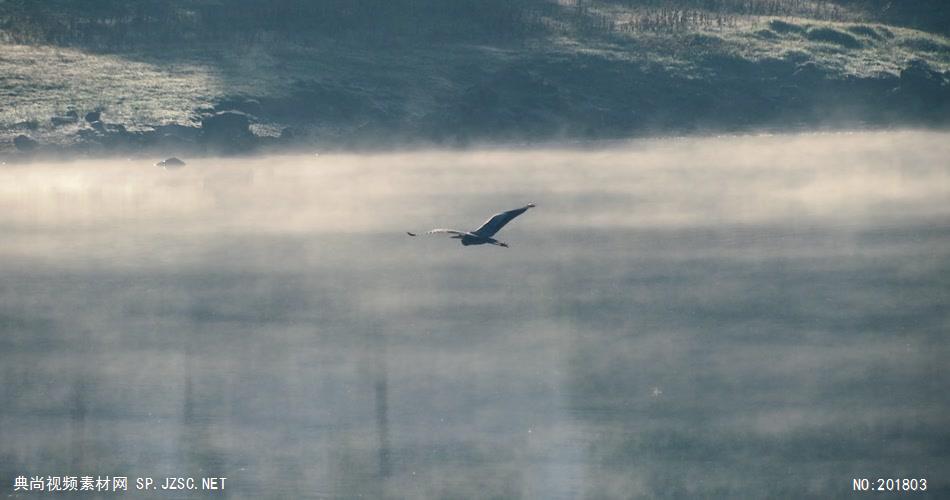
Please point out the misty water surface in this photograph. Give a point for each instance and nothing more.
(720, 317)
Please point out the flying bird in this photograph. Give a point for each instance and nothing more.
(484, 233)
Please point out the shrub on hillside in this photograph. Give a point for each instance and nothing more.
(865, 30)
(831, 35)
(784, 27)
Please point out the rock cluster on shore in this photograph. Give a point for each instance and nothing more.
(220, 132)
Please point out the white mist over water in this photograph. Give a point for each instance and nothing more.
(267, 319)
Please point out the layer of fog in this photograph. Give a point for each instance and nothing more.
(689, 317)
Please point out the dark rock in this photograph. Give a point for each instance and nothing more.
(87, 134)
(24, 143)
(116, 128)
(170, 163)
(93, 116)
(58, 121)
(27, 124)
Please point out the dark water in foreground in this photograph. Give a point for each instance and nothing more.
(729, 317)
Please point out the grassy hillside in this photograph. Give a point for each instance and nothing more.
(338, 74)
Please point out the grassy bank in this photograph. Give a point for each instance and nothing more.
(576, 70)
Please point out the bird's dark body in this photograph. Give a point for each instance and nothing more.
(473, 240)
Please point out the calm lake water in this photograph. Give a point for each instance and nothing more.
(732, 317)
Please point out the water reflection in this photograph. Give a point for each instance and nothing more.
(679, 318)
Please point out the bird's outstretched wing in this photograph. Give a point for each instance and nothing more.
(443, 231)
(446, 231)
(498, 221)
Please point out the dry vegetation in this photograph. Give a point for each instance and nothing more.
(114, 24)
(338, 67)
